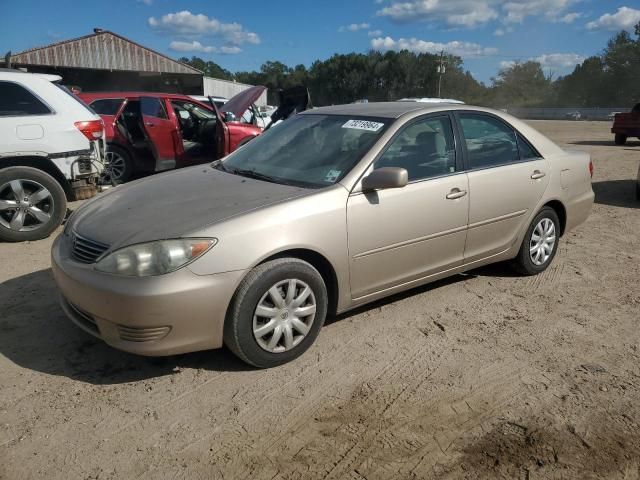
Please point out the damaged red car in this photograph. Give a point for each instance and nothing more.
(153, 132)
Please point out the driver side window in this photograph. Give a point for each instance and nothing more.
(425, 149)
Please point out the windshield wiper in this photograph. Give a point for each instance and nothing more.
(218, 164)
(253, 174)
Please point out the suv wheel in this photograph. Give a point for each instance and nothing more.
(540, 244)
(277, 312)
(32, 204)
(620, 139)
(119, 164)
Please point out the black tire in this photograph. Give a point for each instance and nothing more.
(127, 162)
(523, 262)
(55, 206)
(620, 139)
(238, 328)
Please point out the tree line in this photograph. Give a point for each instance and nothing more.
(611, 78)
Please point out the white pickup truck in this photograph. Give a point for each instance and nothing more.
(51, 151)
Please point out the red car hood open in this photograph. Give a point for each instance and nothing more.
(242, 101)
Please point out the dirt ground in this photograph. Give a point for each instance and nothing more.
(484, 375)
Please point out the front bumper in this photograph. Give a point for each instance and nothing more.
(165, 315)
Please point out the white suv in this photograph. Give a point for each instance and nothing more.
(51, 151)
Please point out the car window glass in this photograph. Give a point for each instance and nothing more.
(107, 106)
(309, 150)
(526, 150)
(489, 141)
(17, 100)
(425, 149)
(152, 107)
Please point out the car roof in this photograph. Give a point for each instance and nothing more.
(97, 95)
(390, 109)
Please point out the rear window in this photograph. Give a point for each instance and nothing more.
(16, 100)
(107, 106)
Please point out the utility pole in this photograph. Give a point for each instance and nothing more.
(441, 70)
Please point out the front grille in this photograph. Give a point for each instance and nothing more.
(138, 334)
(86, 251)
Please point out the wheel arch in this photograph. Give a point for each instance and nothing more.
(561, 211)
(40, 163)
(320, 263)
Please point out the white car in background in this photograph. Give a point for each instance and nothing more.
(431, 100)
(51, 151)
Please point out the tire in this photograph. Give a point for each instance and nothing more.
(527, 262)
(620, 139)
(125, 167)
(38, 212)
(254, 291)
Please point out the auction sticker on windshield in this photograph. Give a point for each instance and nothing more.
(363, 125)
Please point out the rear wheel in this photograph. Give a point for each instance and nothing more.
(277, 313)
(119, 164)
(620, 139)
(540, 244)
(32, 204)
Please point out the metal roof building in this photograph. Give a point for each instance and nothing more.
(107, 61)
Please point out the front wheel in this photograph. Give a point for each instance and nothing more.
(276, 313)
(32, 204)
(120, 166)
(620, 139)
(540, 244)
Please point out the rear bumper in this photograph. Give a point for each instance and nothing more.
(165, 315)
(578, 209)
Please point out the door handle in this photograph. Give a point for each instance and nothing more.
(149, 124)
(456, 193)
(537, 175)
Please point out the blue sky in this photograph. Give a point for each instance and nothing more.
(241, 35)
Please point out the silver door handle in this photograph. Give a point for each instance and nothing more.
(456, 193)
(149, 124)
(537, 174)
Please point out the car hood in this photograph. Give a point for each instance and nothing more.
(173, 205)
(243, 100)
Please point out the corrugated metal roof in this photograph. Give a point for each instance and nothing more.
(102, 50)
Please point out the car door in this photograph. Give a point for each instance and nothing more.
(400, 235)
(161, 132)
(507, 178)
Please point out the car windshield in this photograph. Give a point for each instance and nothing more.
(307, 150)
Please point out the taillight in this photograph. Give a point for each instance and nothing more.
(92, 129)
(591, 168)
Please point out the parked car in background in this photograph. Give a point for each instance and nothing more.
(431, 100)
(573, 115)
(217, 101)
(335, 208)
(154, 132)
(626, 125)
(51, 152)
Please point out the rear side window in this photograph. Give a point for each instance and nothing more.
(527, 152)
(152, 107)
(489, 141)
(17, 100)
(107, 106)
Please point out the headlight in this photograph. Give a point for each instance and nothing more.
(155, 258)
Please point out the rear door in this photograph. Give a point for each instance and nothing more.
(161, 132)
(507, 178)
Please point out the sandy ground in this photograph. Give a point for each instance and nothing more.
(484, 375)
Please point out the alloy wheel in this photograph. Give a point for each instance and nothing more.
(25, 205)
(116, 165)
(284, 316)
(543, 240)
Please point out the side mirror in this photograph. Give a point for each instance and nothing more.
(385, 177)
(229, 117)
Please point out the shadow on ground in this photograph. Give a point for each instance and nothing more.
(605, 143)
(35, 334)
(616, 193)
